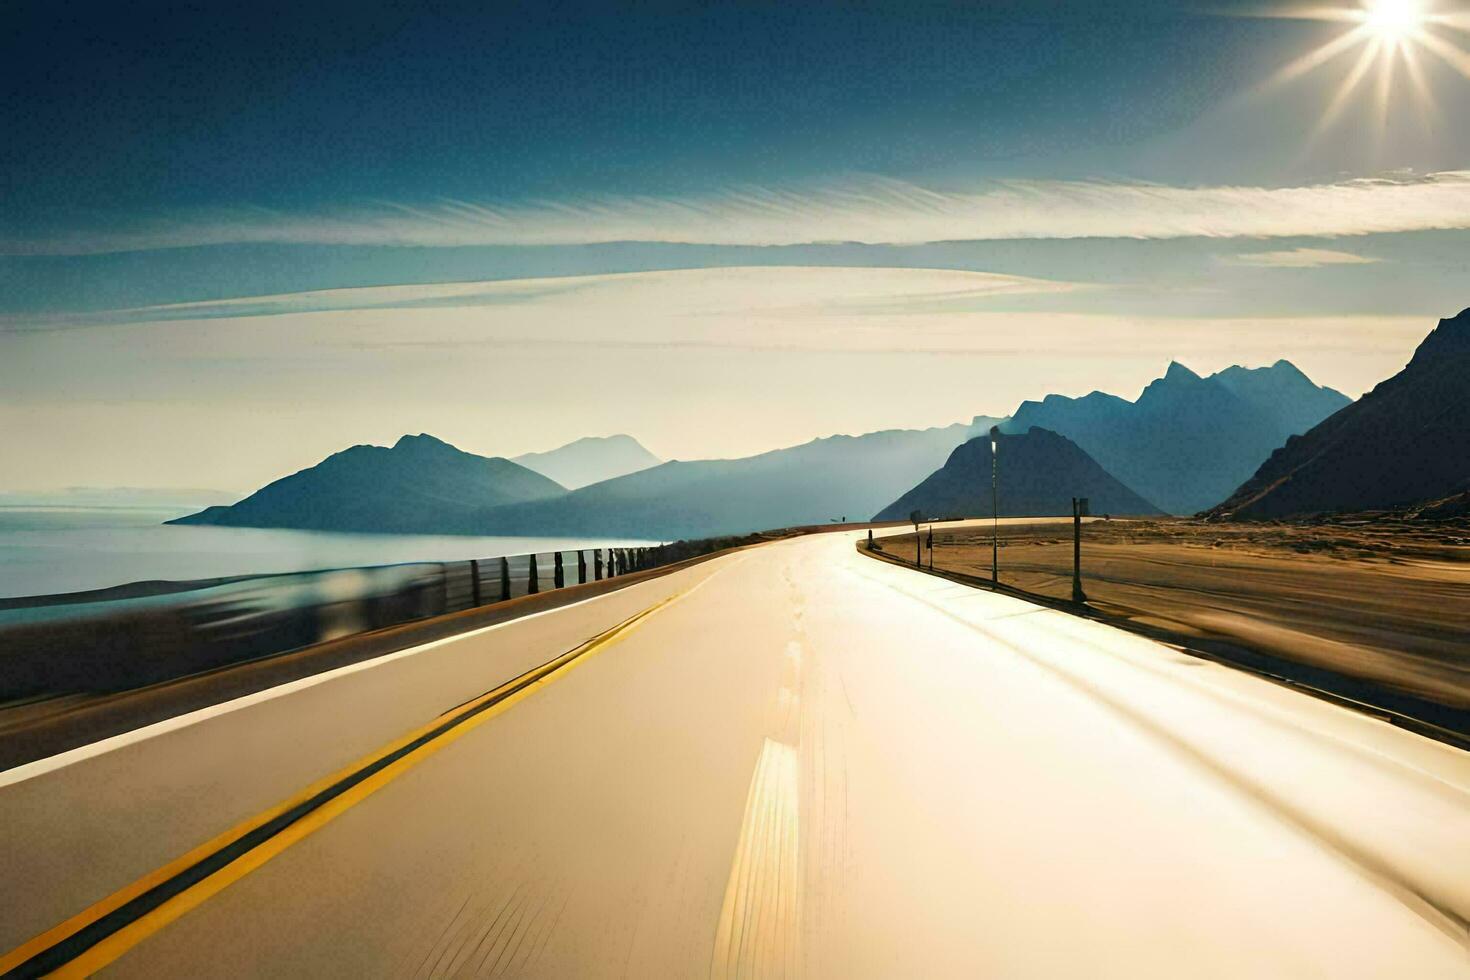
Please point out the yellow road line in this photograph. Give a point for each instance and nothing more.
(119, 942)
(760, 920)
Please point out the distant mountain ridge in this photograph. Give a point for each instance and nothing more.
(1187, 440)
(421, 485)
(590, 460)
(1404, 443)
(142, 498)
(813, 483)
(1292, 399)
(1039, 474)
(1184, 444)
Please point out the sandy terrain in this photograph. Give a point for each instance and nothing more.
(1363, 608)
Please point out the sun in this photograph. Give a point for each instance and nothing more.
(1393, 20)
(1383, 39)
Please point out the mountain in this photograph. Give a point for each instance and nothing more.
(420, 485)
(1039, 474)
(590, 460)
(836, 477)
(1284, 392)
(1405, 442)
(1188, 440)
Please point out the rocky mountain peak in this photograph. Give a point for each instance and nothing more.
(1450, 339)
(1178, 372)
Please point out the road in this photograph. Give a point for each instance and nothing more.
(791, 761)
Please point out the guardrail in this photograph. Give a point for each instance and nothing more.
(133, 636)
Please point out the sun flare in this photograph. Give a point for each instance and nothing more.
(1382, 40)
(1393, 20)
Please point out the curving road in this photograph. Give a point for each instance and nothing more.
(791, 761)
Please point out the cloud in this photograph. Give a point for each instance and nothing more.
(1302, 258)
(867, 210)
(772, 292)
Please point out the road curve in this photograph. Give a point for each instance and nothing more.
(791, 761)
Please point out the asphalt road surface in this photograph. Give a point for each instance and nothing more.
(791, 761)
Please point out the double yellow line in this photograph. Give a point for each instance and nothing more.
(100, 934)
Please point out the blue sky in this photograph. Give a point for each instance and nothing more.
(131, 108)
(1148, 161)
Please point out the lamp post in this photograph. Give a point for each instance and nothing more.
(1080, 509)
(995, 504)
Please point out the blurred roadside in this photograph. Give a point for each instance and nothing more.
(1375, 611)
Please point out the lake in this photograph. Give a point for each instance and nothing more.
(46, 550)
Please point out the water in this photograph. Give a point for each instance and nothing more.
(46, 550)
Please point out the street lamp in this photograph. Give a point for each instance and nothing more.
(1080, 508)
(995, 504)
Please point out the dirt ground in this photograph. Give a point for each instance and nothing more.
(1384, 605)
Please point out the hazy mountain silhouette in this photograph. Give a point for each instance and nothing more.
(1039, 474)
(1291, 398)
(1405, 442)
(590, 460)
(840, 476)
(420, 485)
(1187, 441)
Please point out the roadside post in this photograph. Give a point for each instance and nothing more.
(504, 579)
(930, 543)
(1079, 511)
(581, 567)
(534, 584)
(915, 517)
(558, 575)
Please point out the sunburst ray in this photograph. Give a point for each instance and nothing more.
(1381, 32)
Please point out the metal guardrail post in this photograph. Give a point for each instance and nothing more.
(475, 583)
(597, 564)
(558, 574)
(504, 579)
(534, 585)
(581, 567)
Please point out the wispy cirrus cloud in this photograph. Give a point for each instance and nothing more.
(1302, 258)
(773, 292)
(867, 210)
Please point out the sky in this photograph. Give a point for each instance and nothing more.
(236, 238)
